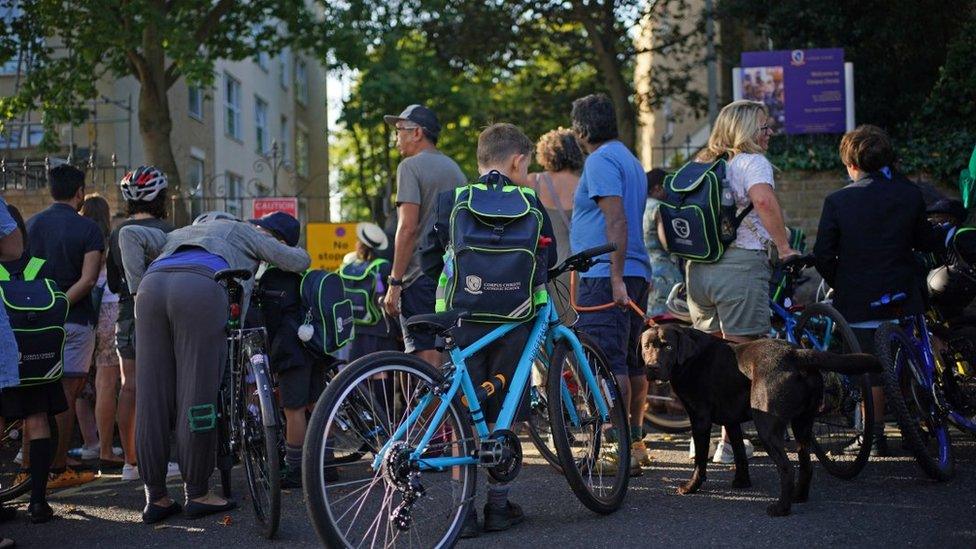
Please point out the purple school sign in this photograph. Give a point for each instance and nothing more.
(803, 89)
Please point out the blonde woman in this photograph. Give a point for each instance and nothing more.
(730, 297)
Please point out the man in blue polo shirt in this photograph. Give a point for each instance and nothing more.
(609, 207)
(72, 245)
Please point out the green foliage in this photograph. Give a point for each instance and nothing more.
(805, 152)
(68, 47)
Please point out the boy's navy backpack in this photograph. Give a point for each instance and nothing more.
(491, 268)
(698, 211)
(360, 279)
(37, 311)
(327, 311)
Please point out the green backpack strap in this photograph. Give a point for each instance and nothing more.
(4, 274)
(33, 268)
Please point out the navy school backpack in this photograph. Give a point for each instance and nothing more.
(327, 311)
(491, 266)
(360, 279)
(37, 310)
(699, 212)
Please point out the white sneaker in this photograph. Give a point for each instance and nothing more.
(84, 453)
(691, 448)
(173, 470)
(130, 472)
(724, 454)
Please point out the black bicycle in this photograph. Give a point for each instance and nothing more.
(249, 423)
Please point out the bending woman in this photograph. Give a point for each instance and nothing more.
(181, 313)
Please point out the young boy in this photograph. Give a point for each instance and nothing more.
(504, 155)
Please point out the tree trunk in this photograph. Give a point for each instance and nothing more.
(155, 123)
(609, 66)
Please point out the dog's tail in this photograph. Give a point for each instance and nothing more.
(852, 364)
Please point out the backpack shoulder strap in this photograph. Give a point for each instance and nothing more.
(33, 268)
(4, 274)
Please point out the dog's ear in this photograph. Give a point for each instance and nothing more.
(687, 342)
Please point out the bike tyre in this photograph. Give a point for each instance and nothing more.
(560, 432)
(267, 519)
(538, 440)
(843, 469)
(941, 467)
(313, 451)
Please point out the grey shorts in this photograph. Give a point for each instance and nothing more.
(732, 295)
(79, 349)
(125, 330)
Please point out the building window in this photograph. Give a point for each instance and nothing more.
(301, 81)
(261, 124)
(195, 102)
(284, 136)
(263, 60)
(283, 68)
(233, 199)
(301, 153)
(232, 107)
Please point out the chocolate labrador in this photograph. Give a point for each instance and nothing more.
(768, 381)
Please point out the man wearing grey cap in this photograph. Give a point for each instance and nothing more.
(424, 173)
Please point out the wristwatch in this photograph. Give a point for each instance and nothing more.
(394, 281)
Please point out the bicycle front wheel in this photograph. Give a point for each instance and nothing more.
(842, 430)
(15, 479)
(597, 469)
(260, 429)
(923, 425)
(387, 497)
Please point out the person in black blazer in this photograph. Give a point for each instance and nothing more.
(864, 250)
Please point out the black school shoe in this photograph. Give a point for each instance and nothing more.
(292, 478)
(499, 520)
(154, 513)
(39, 513)
(195, 509)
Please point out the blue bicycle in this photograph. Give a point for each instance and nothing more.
(415, 484)
(929, 382)
(842, 444)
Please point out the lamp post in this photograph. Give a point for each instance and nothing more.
(273, 163)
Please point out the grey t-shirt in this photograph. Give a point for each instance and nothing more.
(420, 179)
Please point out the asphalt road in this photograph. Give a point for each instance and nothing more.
(889, 504)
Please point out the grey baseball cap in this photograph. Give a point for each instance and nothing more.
(419, 115)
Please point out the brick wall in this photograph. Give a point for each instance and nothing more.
(802, 194)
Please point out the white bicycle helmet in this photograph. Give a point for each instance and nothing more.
(678, 302)
(207, 217)
(143, 184)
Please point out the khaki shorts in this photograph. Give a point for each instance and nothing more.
(732, 295)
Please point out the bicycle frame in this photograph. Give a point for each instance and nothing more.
(460, 380)
(789, 327)
(917, 328)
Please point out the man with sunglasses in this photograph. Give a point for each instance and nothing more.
(423, 174)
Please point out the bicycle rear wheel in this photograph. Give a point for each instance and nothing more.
(14, 479)
(390, 500)
(580, 434)
(260, 428)
(842, 430)
(923, 425)
(664, 411)
(538, 423)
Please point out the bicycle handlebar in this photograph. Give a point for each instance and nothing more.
(582, 261)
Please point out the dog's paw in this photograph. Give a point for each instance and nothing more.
(740, 483)
(778, 510)
(689, 488)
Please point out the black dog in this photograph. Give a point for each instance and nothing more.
(768, 381)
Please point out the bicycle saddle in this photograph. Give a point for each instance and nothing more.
(238, 274)
(436, 323)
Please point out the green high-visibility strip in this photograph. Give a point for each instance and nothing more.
(33, 268)
(540, 297)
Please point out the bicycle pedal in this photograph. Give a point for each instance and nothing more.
(491, 452)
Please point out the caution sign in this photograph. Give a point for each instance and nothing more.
(328, 243)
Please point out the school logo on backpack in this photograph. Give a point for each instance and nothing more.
(699, 212)
(37, 310)
(491, 268)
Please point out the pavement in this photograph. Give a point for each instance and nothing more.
(891, 504)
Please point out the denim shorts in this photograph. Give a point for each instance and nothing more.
(417, 299)
(79, 349)
(617, 331)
